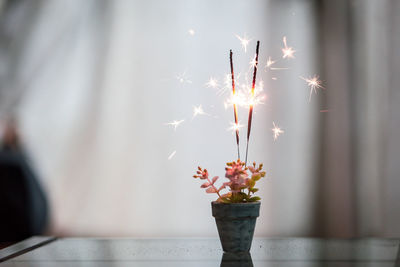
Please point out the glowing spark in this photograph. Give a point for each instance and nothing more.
(175, 123)
(270, 62)
(313, 83)
(253, 62)
(182, 78)
(277, 131)
(288, 52)
(198, 111)
(191, 32)
(172, 155)
(244, 41)
(274, 78)
(213, 83)
(234, 127)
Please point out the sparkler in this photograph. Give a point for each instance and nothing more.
(277, 131)
(244, 41)
(235, 113)
(288, 52)
(252, 96)
(175, 123)
(191, 32)
(313, 83)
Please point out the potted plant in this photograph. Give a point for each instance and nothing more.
(236, 210)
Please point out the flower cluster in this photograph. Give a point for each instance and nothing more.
(240, 185)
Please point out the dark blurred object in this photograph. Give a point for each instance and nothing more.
(23, 205)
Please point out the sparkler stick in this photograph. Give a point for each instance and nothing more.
(235, 113)
(251, 104)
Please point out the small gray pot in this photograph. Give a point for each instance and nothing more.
(236, 223)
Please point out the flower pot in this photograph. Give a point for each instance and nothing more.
(236, 223)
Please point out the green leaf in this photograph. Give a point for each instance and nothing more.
(254, 199)
(253, 190)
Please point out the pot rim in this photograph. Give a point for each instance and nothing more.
(237, 204)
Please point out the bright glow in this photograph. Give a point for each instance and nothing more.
(172, 155)
(191, 32)
(244, 41)
(313, 83)
(175, 123)
(244, 97)
(288, 52)
(235, 127)
(213, 83)
(277, 131)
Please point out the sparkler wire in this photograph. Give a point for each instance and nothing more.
(251, 105)
(235, 112)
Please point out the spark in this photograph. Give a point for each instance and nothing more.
(235, 127)
(213, 83)
(182, 78)
(274, 78)
(244, 41)
(175, 123)
(270, 62)
(198, 111)
(314, 83)
(277, 131)
(253, 62)
(288, 52)
(191, 32)
(172, 155)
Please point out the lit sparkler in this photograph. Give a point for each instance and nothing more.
(252, 95)
(235, 112)
(175, 123)
(288, 52)
(244, 41)
(277, 131)
(191, 32)
(314, 83)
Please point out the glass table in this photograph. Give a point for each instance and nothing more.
(269, 252)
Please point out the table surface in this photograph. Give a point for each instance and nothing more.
(291, 252)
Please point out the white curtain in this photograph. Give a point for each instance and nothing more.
(95, 83)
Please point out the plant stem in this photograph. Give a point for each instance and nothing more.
(216, 190)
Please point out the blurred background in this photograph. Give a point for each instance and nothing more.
(88, 89)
